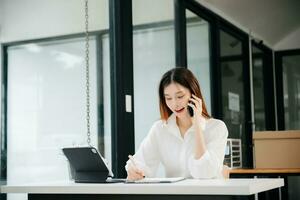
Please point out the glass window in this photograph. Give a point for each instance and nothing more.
(291, 91)
(230, 46)
(258, 89)
(46, 107)
(198, 47)
(104, 107)
(232, 84)
(233, 91)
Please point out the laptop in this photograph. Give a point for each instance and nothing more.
(88, 166)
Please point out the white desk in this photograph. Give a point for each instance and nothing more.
(183, 189)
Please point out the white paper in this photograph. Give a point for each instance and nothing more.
(157, 180)
(233, 101)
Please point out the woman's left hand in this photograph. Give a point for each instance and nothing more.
(197, 108)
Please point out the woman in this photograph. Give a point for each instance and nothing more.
(186, 144)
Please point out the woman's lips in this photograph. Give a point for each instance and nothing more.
(180, 110)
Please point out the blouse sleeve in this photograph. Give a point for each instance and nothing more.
(211, 163)
(147, 157)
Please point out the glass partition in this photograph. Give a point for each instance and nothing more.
(232, 84)
(234, 92)
(258, 89)
(291, 91)
(198, 48)
(46, 107)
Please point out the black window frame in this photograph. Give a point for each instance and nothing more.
(121, 63)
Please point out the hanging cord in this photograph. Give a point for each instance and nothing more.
(87, 71)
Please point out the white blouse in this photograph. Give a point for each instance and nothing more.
(164, 144)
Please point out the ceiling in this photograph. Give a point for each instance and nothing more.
(269, 20)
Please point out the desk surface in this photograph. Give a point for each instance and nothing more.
(186, 187)
(265, 171)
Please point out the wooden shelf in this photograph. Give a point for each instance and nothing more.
(265, 171)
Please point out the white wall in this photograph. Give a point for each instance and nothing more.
(1, 11)
(1, 17)
(1, 24)
(157, 11)
(292, 41)
(32, 19)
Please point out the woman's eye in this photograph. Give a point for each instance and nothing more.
(168, 99)
(180, 97)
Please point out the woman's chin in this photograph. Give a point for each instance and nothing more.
(181, 114)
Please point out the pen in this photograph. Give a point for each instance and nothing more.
(133, 162)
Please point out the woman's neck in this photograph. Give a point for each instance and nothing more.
(184, 124)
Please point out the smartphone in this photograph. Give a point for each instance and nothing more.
(191, 111)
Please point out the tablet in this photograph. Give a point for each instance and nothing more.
(88, 165)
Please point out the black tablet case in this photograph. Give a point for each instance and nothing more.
(87, 165)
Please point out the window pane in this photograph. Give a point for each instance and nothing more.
(258, 89)
(230, 45)
(105, 106)
(232, 84)
(198, 53)
(233, 92)
(291, 91)
(46, 107)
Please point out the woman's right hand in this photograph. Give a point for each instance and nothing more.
(134, 174)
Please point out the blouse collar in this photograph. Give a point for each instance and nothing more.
(174, 129)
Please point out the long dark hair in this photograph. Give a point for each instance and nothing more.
(185, 78)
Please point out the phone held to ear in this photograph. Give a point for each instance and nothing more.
(191, 111)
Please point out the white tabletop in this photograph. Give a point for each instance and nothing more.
(185, 187)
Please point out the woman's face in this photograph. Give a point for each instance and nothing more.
(177, 97)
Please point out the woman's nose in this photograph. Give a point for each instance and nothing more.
(172, 103)
(176, 104)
